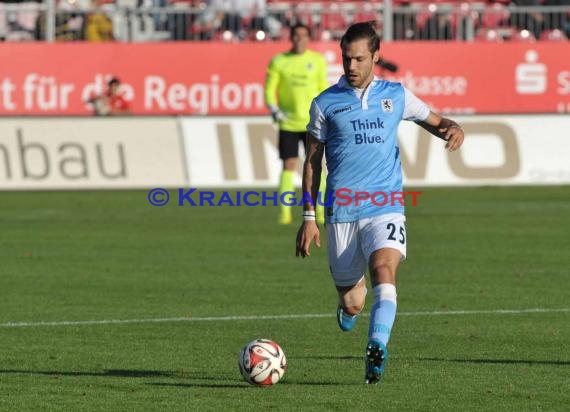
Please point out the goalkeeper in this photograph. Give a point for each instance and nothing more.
(293, 79)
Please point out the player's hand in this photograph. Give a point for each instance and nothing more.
(454, 136)
(278, 116)
(308, 232)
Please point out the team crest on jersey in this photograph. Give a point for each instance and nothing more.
(387, 105)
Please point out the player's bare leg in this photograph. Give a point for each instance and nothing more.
(351, 302)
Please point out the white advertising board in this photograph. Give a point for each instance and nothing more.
(225, 152)
(498, 150)
(90, 153)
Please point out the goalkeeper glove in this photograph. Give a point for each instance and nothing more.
(277, 114)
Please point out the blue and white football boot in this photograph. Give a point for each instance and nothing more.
(375, 360)
(345, 322)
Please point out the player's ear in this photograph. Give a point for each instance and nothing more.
(376, 57)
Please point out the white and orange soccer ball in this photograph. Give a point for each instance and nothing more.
(262, 362)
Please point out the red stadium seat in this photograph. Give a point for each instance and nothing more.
(495, 16)
(302, 13)
(553, 35)
(488, 35)
(464, 15)
(366, 12)
(424, 15)
(333, 22)
(523, 36)
(333, 19)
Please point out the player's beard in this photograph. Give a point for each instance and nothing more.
(359, 79)
(353, 79)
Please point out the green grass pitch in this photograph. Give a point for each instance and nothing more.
(99, 256)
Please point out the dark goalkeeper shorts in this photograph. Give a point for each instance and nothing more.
(289, 143)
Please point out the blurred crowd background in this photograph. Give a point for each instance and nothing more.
(268, 20)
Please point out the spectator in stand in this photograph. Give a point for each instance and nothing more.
(112, 102)
(437, 27)
(69, 23)
(232, 16)
(532, 21)
(559, 21)
(405, 23)
(99, 26)
(208, 22)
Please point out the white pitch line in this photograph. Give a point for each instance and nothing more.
(486, 312)
(274, 317)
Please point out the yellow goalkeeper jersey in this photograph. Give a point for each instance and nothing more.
(292, 81)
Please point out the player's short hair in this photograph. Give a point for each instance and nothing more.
(359, 31)
(112, 81)
(299, 25)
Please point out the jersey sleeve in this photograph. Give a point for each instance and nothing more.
(317, 126)
(414, 108)
(271, 84)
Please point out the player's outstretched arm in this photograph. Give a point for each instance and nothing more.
(272, 80)
(309, 231)
(445, 129)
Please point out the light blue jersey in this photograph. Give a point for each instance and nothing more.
(359, 130)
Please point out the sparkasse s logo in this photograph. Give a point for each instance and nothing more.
(530, 76)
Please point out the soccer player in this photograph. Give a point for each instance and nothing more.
(355, 124)
(293, 79)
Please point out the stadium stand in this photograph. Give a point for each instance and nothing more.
(265, 20)
(553, 35)
(488, 35)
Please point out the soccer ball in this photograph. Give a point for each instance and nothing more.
(262, 362)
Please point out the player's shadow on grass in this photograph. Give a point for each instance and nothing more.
(117, 373)
(242, 385)
(199, 385)
(128, 373)
(500, 361)
(183, 375)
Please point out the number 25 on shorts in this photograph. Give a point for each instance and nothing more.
(398, 231)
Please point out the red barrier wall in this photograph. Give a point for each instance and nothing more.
(226, 79)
